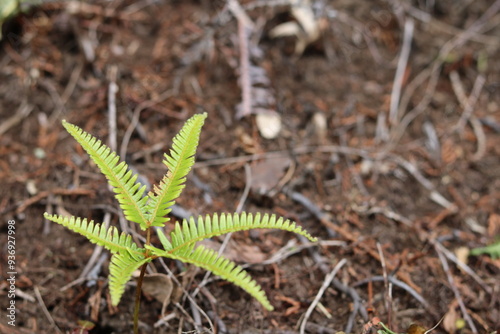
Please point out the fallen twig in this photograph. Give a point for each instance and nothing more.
(467, 103)
(387, 286)
(188, 296)
(22, 112)
(454, 288)
(481, 138)
(245, 26)
(400, 71)
(326, 283)
(444, 27)
(45, 310)
(57, 191)
(112, 90)
(464, 267)
(292, 247)
(351, 292)
(384, 211)
(399, 284)
(434, 71)
(135, 121)
(56, 98)
(434, 194)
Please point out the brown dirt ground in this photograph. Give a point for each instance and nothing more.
(370, 180)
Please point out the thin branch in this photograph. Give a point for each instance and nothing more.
(22, 112)
(454, 288)
(467, 103)
(434, 194)
(188, 296)
(399, 284)
(326, 283)
(112, 90)
(386, 212)
(481, 138)
(45, 310)
(135, 120)
(292, 247)
(245, 26)
(400, 71)
(464, 267)
(387, 285)
(56, 98)
(357, 306)
(434, 71)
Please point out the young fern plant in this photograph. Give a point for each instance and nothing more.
(152, 209)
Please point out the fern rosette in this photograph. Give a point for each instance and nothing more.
(151, 210)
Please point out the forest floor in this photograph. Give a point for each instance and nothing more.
(376, 127)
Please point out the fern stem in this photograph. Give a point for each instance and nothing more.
(138, 290)
(138, 298)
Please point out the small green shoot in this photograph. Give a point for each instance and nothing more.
(151, 210)
(492, 250)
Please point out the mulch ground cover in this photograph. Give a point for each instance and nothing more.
(374, 125)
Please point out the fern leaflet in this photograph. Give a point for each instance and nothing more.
(120, 270)
(109, 238)
(179, 163)
(128, 192)
(184, 238)
(209, 260)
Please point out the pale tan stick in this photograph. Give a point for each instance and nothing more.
(454, 288)
(245, 27)
(465, 268)
(45, 310)
(387, 286)
(400, 71)
(326, 283)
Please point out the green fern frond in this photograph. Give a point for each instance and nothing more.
(179, 163)
(109, 238)
(121, 269)
(184, 238)
(128, 192)
(209, 260)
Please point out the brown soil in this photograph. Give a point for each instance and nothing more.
(410, 187)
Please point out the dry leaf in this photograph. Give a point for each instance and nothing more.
(266, 174)
(158, 286)
(237, 252)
